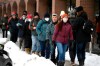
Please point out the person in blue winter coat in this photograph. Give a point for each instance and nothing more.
(41, 31)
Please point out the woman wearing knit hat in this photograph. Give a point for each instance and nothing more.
(62, 33)
(27, 34)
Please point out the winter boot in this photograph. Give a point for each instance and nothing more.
(54, 61)
(72, 63)
(60, 63)
(27, 50)
(37, 53)
(81, 63)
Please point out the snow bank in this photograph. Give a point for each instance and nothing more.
(20, 58)
(3, 40)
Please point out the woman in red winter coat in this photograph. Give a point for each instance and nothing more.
(62, 33)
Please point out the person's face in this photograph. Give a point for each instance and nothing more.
(24, 16)
(54, 18)
(5, 15)
(13, 16)
(78, 13)
(36, 17)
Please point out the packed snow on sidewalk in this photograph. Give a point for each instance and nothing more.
(20, 58)
(91, 59)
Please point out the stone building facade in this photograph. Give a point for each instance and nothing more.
(43, 6)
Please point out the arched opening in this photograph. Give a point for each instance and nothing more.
(44, 7)
(31, 6)
(22, 7)
(9, 9)
(4, 9)
(14, 7)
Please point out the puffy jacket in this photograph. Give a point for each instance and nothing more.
(21, 27)
(41, 29)
(64, 35)
(4, 20)
(13, 25)
(34, 24)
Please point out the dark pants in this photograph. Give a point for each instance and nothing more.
(45, 49)
(80, 47)
(53, 58)
(13, 37)
(4, 33)
(72, 51)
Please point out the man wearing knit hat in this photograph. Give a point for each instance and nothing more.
(81, 37)
(41, 31)
(20, 26)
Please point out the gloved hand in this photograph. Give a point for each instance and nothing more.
(71, 42)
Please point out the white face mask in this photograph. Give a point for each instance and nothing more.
(46, 19)
(65, 20)
(29, 20)
(24, 18)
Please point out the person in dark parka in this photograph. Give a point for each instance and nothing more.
(13, 27)
(20, 26)
(27, 34)
(82, 38)
(4, 24)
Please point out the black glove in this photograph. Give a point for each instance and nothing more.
(71, 42)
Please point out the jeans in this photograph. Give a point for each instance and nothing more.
(80, 49)
(21, 43)
(62, 50)
(45, 49)
(35, 44)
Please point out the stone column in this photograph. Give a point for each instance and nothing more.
(58, 5)
(42, 7)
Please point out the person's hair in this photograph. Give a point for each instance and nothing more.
(24, 12)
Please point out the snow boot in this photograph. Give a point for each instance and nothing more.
(81, 63)
(60, 63)
(27, 50)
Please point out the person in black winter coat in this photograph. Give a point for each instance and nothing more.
(20, 25)
(81, 37)
(4, 24)
(13, 27)
(27, 34)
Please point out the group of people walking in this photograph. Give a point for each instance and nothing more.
(42, 36)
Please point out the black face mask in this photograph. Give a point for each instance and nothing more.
(54, 23)
(36, 19)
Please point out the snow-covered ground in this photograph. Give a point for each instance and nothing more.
(20, 58)
(91, 59)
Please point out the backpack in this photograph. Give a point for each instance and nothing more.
(88, 27)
